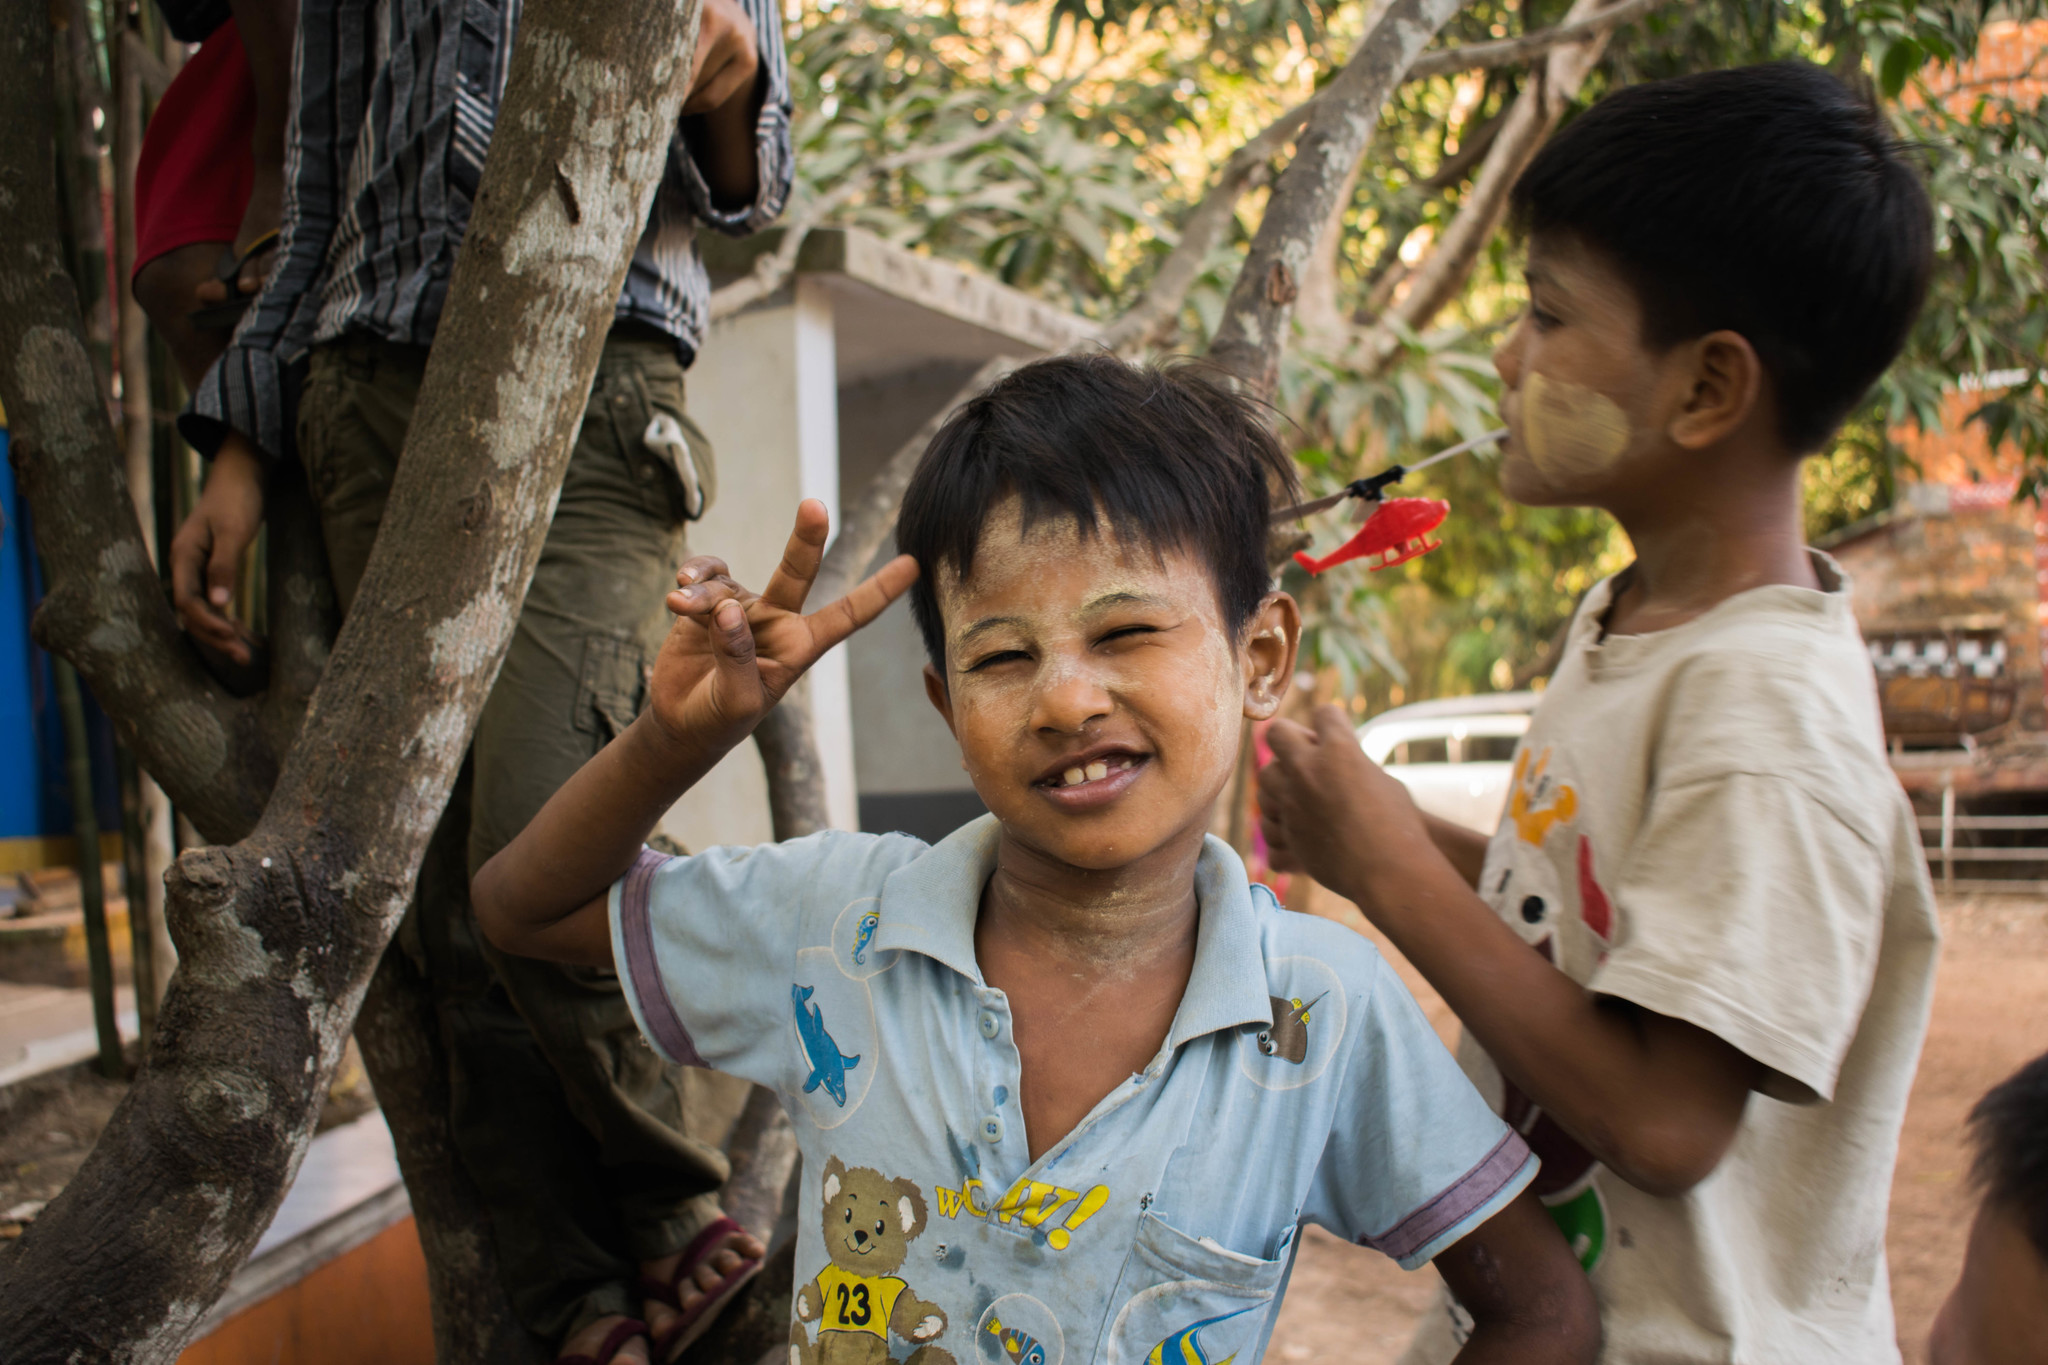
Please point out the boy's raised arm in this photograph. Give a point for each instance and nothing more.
(1656, 1099)
(730, 656)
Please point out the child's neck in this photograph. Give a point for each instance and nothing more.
(1704, 537)
(1104, 922)
(1094, 965)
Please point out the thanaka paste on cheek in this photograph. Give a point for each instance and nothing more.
(1570, 431)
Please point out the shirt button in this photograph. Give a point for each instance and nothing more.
(992, 1128)
(990, 1025)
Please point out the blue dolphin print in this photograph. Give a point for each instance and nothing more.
(828, 1065)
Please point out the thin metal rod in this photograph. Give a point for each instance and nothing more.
(1459, 449)
(1948, 834)
(1397, 473)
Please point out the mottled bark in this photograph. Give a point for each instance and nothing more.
(1529, 46)
(1151, 318)
(1258, 314)
(788, 745)
(400, 1039)
(278, 934)
(105, 610)
(1441, 276)
(764, 1156)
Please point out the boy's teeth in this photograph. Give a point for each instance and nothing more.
(1097, 771)
(1074, 777)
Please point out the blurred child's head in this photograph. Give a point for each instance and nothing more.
(2000, 1304)
(1734, 255)
(1095, 599)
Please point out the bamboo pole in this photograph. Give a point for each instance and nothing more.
(135, 881)
(85, 824)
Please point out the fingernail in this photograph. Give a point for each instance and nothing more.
(730, 616)
(218, 596)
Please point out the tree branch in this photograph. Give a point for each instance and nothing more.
(105, 610)
(1441, 277)
(1261, 304)
(278, 935)
(1528, 46)
(1248, 168)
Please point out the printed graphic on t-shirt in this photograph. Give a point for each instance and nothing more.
(837, 1047)
(858, 1300)
(1018, 1329)
(1543, 901)
(1185, 1322)
(1310, 1014)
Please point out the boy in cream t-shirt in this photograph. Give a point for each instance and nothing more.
(1697, 967)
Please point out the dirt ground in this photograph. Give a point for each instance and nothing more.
(1990, 1016)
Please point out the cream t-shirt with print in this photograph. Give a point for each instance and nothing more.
(1703, 822)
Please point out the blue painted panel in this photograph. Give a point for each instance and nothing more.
(21, 762)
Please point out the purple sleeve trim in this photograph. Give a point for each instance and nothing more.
(636, 934)
(1456, 1203)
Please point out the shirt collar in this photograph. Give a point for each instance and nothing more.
(929, 906)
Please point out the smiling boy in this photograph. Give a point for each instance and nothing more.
(1033, 1069)
(1734, 938)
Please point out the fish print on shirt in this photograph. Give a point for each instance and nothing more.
(1185, 1346)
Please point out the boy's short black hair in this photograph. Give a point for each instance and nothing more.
(1767, 200)
(2010, 1127)
(1172, 457)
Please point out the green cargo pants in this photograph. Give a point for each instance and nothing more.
(569, 1124)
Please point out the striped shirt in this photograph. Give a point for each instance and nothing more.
(393, 105)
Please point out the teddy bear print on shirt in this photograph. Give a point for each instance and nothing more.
(858, 1299)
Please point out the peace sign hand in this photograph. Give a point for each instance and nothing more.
(732, 654)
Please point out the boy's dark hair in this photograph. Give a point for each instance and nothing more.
(2010, 1128)
(1767, 200)
(1171, 457)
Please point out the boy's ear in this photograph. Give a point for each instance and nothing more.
(941, 699)
(1724, 389)
(1271, 642)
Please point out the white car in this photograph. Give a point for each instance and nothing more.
(1455, 756)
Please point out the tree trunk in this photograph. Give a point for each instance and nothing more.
(278, 935)
(400, 1040)
(1257, 316)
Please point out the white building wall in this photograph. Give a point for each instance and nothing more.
(765, 391)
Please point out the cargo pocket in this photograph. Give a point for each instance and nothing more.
(612, 684)
(1182, 1298)
(677, 445)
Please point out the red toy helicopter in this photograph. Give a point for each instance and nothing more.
(1398, 529)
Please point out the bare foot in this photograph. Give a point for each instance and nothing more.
(733, 1253)
(590, 1341)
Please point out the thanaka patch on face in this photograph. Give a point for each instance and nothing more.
(1570, 431)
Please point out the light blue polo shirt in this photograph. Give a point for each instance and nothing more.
(1300, 1083)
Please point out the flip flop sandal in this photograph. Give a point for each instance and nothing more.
(678, 1336)
(224, 315)
(608, 1350)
